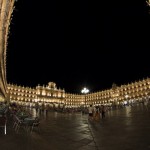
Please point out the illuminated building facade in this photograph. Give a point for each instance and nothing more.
(118, 95)
(74, 100)
(50, 95)
(6, 9)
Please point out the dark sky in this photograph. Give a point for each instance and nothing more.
(78, 43)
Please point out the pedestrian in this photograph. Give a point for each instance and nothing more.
(96, 115)
(103, 111)
(90, 111)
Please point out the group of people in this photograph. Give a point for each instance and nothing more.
(96, 112)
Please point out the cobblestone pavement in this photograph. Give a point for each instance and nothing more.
(123, 129)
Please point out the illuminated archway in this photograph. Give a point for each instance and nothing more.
(6, 9)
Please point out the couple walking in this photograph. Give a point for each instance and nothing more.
(96, 112)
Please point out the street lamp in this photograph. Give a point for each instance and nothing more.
(85, 91)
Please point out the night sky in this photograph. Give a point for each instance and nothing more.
(78, 43)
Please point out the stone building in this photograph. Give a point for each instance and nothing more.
(6, 9)
(26, 96)
(50, 95)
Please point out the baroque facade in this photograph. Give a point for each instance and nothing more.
(26, 96)
(50, 95)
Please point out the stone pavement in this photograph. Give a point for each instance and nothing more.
(124, 129)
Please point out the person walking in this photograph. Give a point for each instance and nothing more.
(90, 111)
(96, 113)
(103, 111)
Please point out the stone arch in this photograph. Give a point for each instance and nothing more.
(6, 9)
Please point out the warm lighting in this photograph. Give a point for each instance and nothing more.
(148, 2)
(85, 90)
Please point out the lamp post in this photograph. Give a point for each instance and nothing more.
(85, 91)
